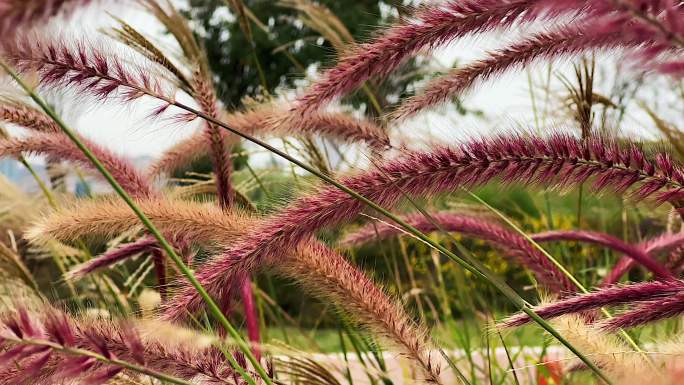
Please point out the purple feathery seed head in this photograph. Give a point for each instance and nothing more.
(557, 161)
(113, 257)
(20, 14)
(59, 146)
(429, 27)
(650, 29)
(48, 139)
(554, 44)
(609, 24)
(92, 71)
(657, 309)
(511, 243)
(38, 360)
(27, 117)
(609, 296)
(659, 24)
(33, 344)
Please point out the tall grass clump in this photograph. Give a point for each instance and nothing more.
(298, 235)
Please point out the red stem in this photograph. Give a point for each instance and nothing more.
(160, 270)
(250, 314)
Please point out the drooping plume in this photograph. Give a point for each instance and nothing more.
(328, 275)
(508, 241)
(27, 117)
(429, 27)
(112, 257)
(610, 296)
(649, 311)
(84, 67)
(268, 121)
(108, 218)
(558, 161)
(657, 24)
(46, 347)
(649, 28)
(563, 42)
(19, 14)
(58, 146)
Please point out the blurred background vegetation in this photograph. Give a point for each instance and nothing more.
(282, 40)
(274, 45)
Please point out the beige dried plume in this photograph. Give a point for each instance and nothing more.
(109, 217)
(328, 275)
(269, 120)
(618, 361)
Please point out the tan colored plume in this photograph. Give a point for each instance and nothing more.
(107, 218)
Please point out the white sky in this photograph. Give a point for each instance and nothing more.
(126, 129)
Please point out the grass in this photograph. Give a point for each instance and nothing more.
(215, 266)
(327, 340)
(450, 337)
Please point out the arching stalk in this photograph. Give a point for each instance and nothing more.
(185, 270)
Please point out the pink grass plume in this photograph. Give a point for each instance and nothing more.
(609, 296)
(59, 146)
(113, 257)
(428, 27)
(559, 161)
(511, 243)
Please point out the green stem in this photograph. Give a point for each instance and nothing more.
(185, 270)
(480, 270)
(560, 267)
(23, 270)
(372, 98)
(258, 180)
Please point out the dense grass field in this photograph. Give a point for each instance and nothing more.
(343, 205)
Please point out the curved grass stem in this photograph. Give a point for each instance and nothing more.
(626, 336)
(470, 264)
(166, 246)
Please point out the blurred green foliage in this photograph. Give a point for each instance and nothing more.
(286, 49)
